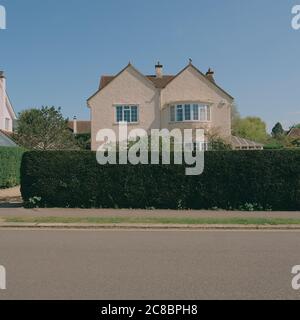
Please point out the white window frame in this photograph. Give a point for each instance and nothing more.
(175, 107)
(7, 124)
(126, 107)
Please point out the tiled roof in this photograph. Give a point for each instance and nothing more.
(6, 139)
(82, 126)
(294, 133)
(158, 82)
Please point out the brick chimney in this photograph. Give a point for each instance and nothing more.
(159, 70)
(210, 75)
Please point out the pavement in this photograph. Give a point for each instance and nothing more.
(112, 265)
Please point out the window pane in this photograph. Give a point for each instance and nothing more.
(134, 114)
(127, 114)
(119, 117)
(179, 113)
(208, 113)
(187, 112)
(172, 113)
(195, 112)
(202, 113)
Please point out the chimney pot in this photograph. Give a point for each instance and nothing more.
(159, 70)
(210, 75)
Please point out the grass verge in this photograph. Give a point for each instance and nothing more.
(154, 220)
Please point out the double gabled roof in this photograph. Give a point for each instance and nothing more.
(158, 82)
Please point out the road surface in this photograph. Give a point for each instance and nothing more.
(149, 264)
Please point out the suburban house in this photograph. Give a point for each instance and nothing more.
(294, 133)
(79, 126)
(7, 115)
(187, 100)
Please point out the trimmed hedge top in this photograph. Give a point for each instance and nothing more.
(231, 180)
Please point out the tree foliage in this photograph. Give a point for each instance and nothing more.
(277, 131)
(44, 129)
(252, 128)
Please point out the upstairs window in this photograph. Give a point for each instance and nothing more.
(128, 114)
(190, 112)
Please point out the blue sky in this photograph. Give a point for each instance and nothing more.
(54, 51)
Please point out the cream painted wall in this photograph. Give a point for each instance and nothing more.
(7, 115)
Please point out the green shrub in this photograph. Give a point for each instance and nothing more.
(231, 180)
(10, 162)
(83, 140)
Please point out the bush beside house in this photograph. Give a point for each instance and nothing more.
(231, 180)
(10, 163)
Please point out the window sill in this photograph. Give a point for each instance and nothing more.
(126, 123)
(191, 122)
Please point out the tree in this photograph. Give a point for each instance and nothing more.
(44, 129)
(252, 128)
(216, 143)
(83, 140)
(235, 115)
(277, 131)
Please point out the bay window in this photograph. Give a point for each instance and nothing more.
(127, 114)
(190, 112)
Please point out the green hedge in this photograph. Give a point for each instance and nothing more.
(10, 163)
(231, 180)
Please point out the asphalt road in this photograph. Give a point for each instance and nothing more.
(149, 264)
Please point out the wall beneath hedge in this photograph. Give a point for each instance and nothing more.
(231, 179)
(10, 163)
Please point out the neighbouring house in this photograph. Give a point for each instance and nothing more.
(79, 126)
(7, 115)
(294, 133)
(187, 100)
